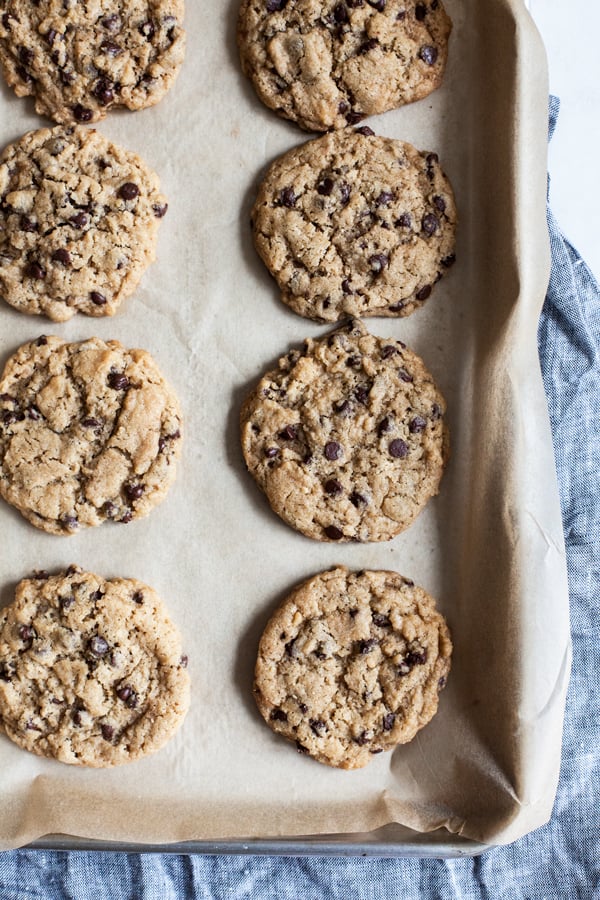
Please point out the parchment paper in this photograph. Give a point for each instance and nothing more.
(489, 547)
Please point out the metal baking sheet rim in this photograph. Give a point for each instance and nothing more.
(388, 842)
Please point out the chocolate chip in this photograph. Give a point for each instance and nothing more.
(138, 598)
(384, 198)
(128, 191)
(68, 78)
(449, 261)
(362, 394)
(333, 487)
(35, 270)
(388, 721)
(127, 695)
(287, 197)
(97, 298)
(289, 433)
(368, 45)
(111, 48)
(424, 293)
(340, 14)
(428, 54)
(66, 602)
(317, 726)
(160, 209)
(380, 620)
(405, 376)
(33, 413)
(384, 426)
(108, 732)
(278, 715)
(432, 159)
(378, 262)
(401, 15)
(436, 412)
(104, 93)
(24, 74)
(354, 117)
(25, 56)
(357, 499)
(363, 738)
(325, 187)
(343, 107)
(109, 509)
(9, 417)
(26, 224)
(79, 221)
(403, 221)
(126, 518)
(354, 361)
(7, 671)
(342, 407)
(345, 191)
(365, 647)
(97, 646)
(112, 23)
(118, 381)
(62, 256)
(420, 12)
(82, 113)
(430, 224)
(303, 708)
(388, 350)
(133, 492)
(439, 203)
(6, 20)
(69, 522)
(271, 452)
(147, 30)
(379, 5)
(442, 682)
(300, 747)
(333, 533)
(416, 425)
(416, 657)
(398, 449)
(27, 634)
(346, 289)
(333, 451)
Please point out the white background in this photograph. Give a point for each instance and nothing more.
(570, 33)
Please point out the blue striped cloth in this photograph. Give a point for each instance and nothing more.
(560, 860)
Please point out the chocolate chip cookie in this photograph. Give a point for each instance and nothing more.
(329, 64)
(78, 60)
(351, 664)
(79, 221)
(89, 432)
(355, 224)
(91, 669)
(347, 437)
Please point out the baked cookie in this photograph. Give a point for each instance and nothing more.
(329, 64)
(78, 60)
(88, 432)
(91, 669)
(79, 220)
(346, 438)
(355, 224)
(351, 664)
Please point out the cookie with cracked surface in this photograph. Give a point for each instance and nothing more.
(91, 669)
(347, 438)
(329, 64)
(89, 432)
(355, 224)
(78, 60)
(352, 664)
(79, 221)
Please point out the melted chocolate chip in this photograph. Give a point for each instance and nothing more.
(354, 117)
(110, 48)
(104, 93)
(118, 381)
(430, 224)
(108, 732)
(362, 394)
(416, 425)
(287, 197)
(346, 288)
(133, 492)
(357, 499)
(379, 5)
(405, 376)
(333, 533)
(97, 298)
(278, 715)
(79, 221)
(378, 262)
(439, 203)
(333, 487)
(365, 130)
(26, 224)
(35, 270)
(289, 433)
(62, 256)
(363, 739)
(384, 199)
(428, 54)
(82, 113)
(365, 647)
(127, 695)
(97, 646)
(403, 221)
(368, 45)
(424, 293)
(398, 449)
(128, 191)
(325, 187)
(388, 721)
(333, 451)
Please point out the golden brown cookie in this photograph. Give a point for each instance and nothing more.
(351, 664)
(79, 221)
(91, 669)
(355, 224)
(89, 432)
(329, 64)
(78, 60)
(347, 438)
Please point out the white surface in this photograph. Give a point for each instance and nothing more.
(570, 34)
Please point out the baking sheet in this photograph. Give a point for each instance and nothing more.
(489, 547)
